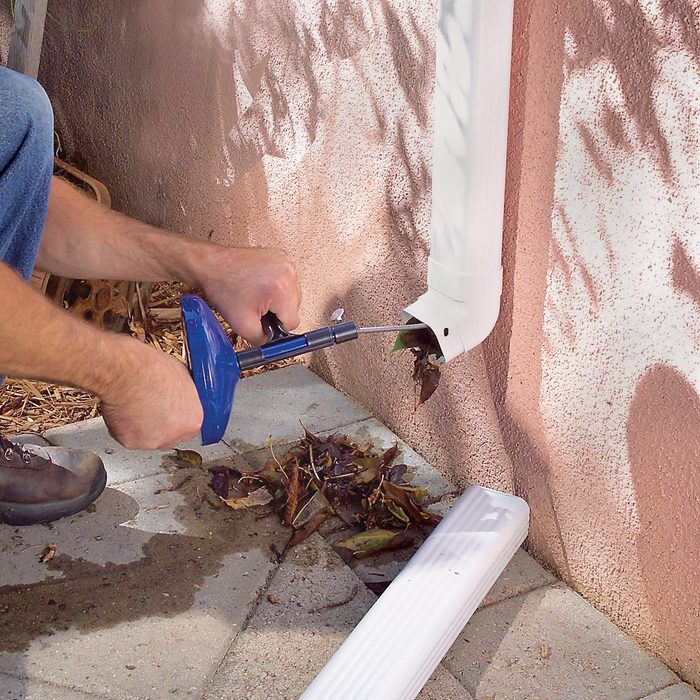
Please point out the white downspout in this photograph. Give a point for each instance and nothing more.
(397, 645)
(462, 303)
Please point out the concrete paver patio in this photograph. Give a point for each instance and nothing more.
(156, 594)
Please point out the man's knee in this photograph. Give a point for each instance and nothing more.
(26, 117)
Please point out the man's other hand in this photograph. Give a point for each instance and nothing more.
(151, 402)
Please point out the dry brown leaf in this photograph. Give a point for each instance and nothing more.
(398, 512)
(259, 497)
(270, 473)
(402, 498)
(187, 458)
(137, 330)
(48, 553)
(293, 492)
(308, 529)
(426, 374)
(364, 544)
(424, 346)
(318, 503)
(367, 476)
(220, 481)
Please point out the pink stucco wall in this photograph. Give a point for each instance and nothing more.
(595, 359)
(307, 125)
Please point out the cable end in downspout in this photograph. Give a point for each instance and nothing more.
(462, 323)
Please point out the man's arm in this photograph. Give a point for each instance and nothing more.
(148, 398)
(85, 239)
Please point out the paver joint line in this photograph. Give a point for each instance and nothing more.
(676, 691)
(287, 441)
(246, 621)
(244, 625)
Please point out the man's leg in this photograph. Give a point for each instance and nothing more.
(26, 165)
(37, 483)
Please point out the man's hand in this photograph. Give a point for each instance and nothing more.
(148, 398)
(245, 283)
(151, 402)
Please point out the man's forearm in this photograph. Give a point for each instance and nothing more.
(83, 239)
(40, 341)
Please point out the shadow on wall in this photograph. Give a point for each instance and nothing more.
(276, 125)
(278, 85)
(343, 134)
(602, 260)
(664, 450)
(511, 351)
(457, 429)
(201, 96)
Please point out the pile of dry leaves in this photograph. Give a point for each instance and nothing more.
(320, 478)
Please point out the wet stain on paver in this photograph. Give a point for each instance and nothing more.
(163, 582)
(241, 446)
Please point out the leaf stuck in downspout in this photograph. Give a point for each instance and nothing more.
(426, 354)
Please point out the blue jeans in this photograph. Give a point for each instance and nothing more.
(26, 165)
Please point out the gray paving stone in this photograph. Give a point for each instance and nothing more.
(678, 691)
(97, 537)
(175, 502)
(173, 630)
(500, 652)
(523, 574)
(313, 603)
(24, 689)
(124, 518)
(123, 464)
(274, 404)
(442, 685)
(142, 613)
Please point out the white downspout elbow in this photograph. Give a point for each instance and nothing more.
(465, 276)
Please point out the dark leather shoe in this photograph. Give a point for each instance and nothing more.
(39, 484)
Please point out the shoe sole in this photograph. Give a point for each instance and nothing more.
(40, 513)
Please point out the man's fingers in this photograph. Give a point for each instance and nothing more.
(286, 306)
(288, 317)
(250, 327)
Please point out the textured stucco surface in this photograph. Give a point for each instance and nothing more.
(301, 125)
(5, 31)
(594, 362)
(306, 125)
